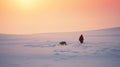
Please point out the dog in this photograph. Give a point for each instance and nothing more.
(63, 43)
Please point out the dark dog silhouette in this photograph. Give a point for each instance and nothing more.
(62, 43)
(81, 39)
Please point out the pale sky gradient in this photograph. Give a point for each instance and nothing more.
(43, 16)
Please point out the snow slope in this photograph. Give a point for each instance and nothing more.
(101, 49)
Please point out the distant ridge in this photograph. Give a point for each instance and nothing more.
(99, 30)
(109, 29)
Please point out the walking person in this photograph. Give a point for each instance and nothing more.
(81, 39)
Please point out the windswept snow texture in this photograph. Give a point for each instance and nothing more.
(100, 49)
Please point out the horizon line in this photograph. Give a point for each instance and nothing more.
(58, 32)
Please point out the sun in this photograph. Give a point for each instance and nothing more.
(27, 4)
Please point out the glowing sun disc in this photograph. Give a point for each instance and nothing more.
(27, 4)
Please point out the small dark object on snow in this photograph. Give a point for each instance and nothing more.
(62, 43)
(81, 39)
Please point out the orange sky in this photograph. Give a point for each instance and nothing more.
(43, 16)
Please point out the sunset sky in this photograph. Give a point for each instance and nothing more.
(44, 16)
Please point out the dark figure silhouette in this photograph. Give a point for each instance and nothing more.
(63, 43)
(81, 39)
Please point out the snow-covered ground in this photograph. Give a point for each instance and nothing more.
(100, 49)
